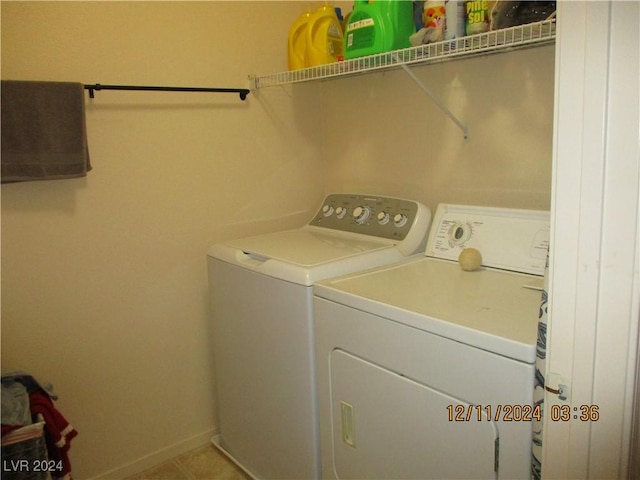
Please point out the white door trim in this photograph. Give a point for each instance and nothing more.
(593, 302)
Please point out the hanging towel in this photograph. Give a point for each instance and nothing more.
(44, 134)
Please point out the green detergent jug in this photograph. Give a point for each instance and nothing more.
(377, 27)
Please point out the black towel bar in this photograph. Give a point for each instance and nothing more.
(92, 88)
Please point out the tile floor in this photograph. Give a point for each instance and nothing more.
(203, 463)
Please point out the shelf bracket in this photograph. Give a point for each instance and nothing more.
(436, 100)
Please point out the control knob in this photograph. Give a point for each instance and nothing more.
(340, 212)
(459, 233)
(327, 210)
(400, 220)
(361, 214)
(383, 218)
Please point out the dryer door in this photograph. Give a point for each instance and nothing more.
(386, 425)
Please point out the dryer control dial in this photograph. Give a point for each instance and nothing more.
(361, 214)
(341, 212)
(459, 233)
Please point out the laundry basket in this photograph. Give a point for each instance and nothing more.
(24, 454)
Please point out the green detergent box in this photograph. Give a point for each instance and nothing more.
(377, 27)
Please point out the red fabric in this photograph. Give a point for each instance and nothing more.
(58, 431)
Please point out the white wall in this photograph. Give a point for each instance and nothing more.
(104, 278)
(385, 134)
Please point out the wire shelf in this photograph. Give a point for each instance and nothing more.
(521, 36)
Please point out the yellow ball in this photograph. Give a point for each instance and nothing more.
(470, 259)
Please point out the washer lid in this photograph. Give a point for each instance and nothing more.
(308, 247)
(307, 255)
(489, 309)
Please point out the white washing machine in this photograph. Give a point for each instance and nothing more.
(426, 370)
(262, 314)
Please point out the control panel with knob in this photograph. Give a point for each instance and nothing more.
(385, 217)
(506, 238)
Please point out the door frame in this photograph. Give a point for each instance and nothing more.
(593, 279)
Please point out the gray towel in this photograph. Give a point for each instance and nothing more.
(44, 134)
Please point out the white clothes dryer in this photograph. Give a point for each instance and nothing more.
(426, 371)
(262, 316)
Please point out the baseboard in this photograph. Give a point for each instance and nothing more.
(158, 456)
(217, 442)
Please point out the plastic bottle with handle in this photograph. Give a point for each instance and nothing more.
(298, 40)
(324, 37)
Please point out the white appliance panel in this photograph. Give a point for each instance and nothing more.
(255, 391)
(368, 445)
(468, 375)
(509, 239)
(489, 309)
